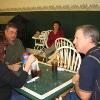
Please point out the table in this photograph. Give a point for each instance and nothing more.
(49, 85)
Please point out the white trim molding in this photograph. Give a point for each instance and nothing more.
(49, 5)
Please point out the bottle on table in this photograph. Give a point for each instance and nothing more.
(54, 64)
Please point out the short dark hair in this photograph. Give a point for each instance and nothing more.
(13, 25)
(90, 31)
(56, 22)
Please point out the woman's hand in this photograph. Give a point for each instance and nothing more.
(31, 59)
(14, 67)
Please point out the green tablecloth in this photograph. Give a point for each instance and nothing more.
(48, 85)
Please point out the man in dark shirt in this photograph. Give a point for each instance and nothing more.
(87, 81)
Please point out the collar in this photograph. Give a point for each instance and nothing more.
(92, 49)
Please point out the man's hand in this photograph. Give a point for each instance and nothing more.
(14, 67)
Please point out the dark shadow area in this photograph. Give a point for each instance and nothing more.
(42, 20)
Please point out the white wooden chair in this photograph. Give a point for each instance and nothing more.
(69, 59)
(44, 37)
(59, 42)
(40, 42)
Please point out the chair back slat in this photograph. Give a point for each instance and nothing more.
(69, 58)
(59, 42)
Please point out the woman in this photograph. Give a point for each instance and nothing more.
(8, 79)
(56, 32)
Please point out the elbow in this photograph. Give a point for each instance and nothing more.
(19, 84)
(84, 98)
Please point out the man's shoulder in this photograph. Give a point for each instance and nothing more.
(18, 43)
(18, 40)
(95, 53)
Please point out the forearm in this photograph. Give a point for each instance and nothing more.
(12, 79)
(84, 95)
(77, 89)
(21, 79)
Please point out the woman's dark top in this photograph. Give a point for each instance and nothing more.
(9, 80)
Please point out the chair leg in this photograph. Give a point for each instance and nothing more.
(60, 98)
(55, 98)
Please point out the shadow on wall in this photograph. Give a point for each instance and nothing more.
(42, 20)
(21, 22)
